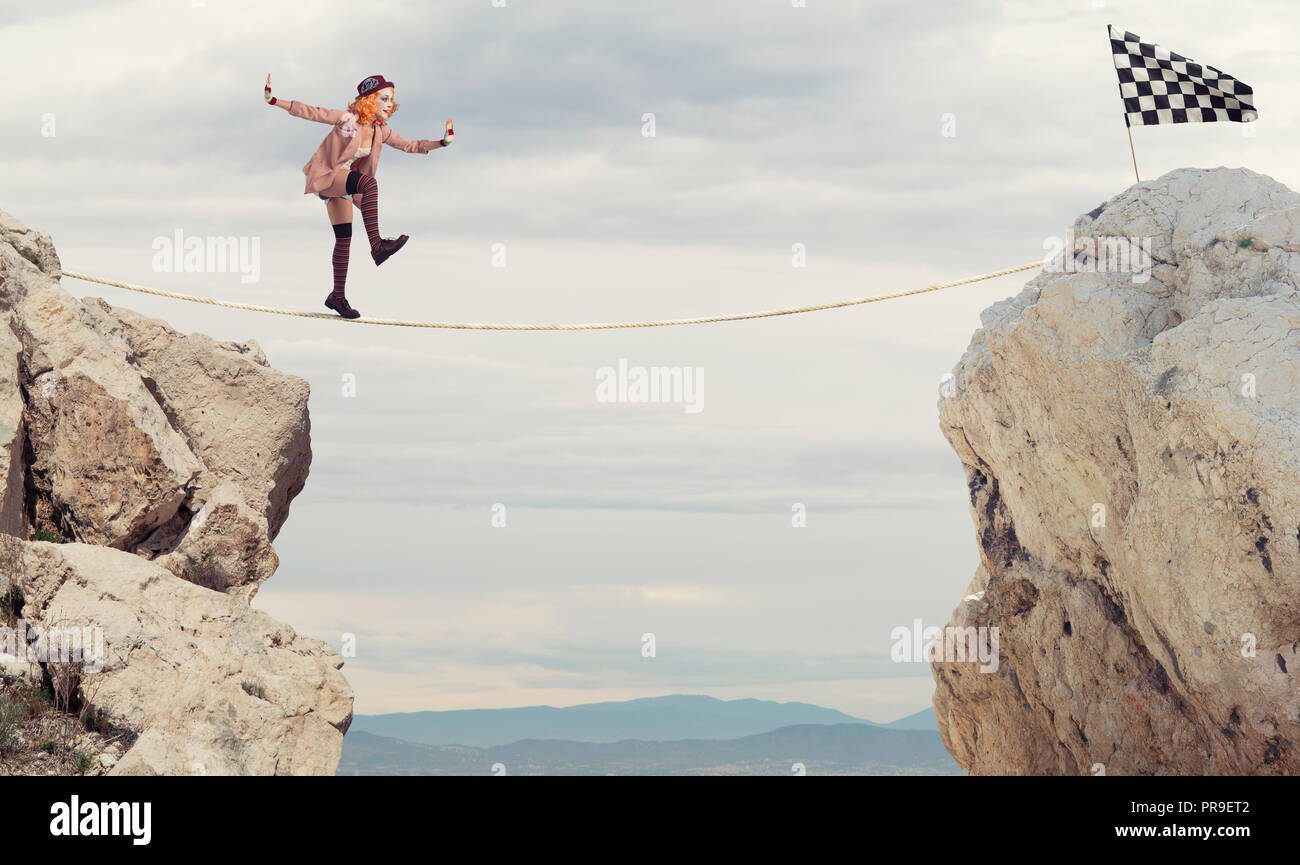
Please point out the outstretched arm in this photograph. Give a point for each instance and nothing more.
(420, 145)
(310, 112)
(298, 109)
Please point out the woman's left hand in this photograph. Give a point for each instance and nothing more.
(447, 139)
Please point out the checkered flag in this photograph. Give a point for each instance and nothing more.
(1159, 86)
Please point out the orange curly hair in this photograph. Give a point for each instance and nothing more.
(364, 106)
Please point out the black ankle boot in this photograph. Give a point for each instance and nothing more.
(386, 247)
(340, 305)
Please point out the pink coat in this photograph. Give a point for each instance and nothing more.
(341, 143)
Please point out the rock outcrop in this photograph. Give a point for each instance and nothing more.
(144, 474)
(1132, 451)
(135, 436)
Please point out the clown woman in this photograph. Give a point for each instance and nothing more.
(342, 170)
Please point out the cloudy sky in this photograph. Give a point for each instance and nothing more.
(775, 125)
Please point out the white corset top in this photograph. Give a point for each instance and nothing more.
(361, 153)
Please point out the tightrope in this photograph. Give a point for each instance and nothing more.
(595, 326)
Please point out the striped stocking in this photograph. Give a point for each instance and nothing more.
(369, 189)
(342, 246)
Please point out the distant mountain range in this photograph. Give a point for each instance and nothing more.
(922, 720)
(681, 734)
(678, 716)
(822, 749)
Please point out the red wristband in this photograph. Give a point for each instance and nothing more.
(272, 100)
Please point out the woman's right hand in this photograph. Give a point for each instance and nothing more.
(266, 94)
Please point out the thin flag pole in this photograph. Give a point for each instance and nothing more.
(1130, 150)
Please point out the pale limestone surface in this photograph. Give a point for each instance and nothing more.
(168, 461)
(1132, 452)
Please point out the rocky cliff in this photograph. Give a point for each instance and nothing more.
(1132, 451)
(144, 474)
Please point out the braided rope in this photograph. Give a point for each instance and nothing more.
(595, 326)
